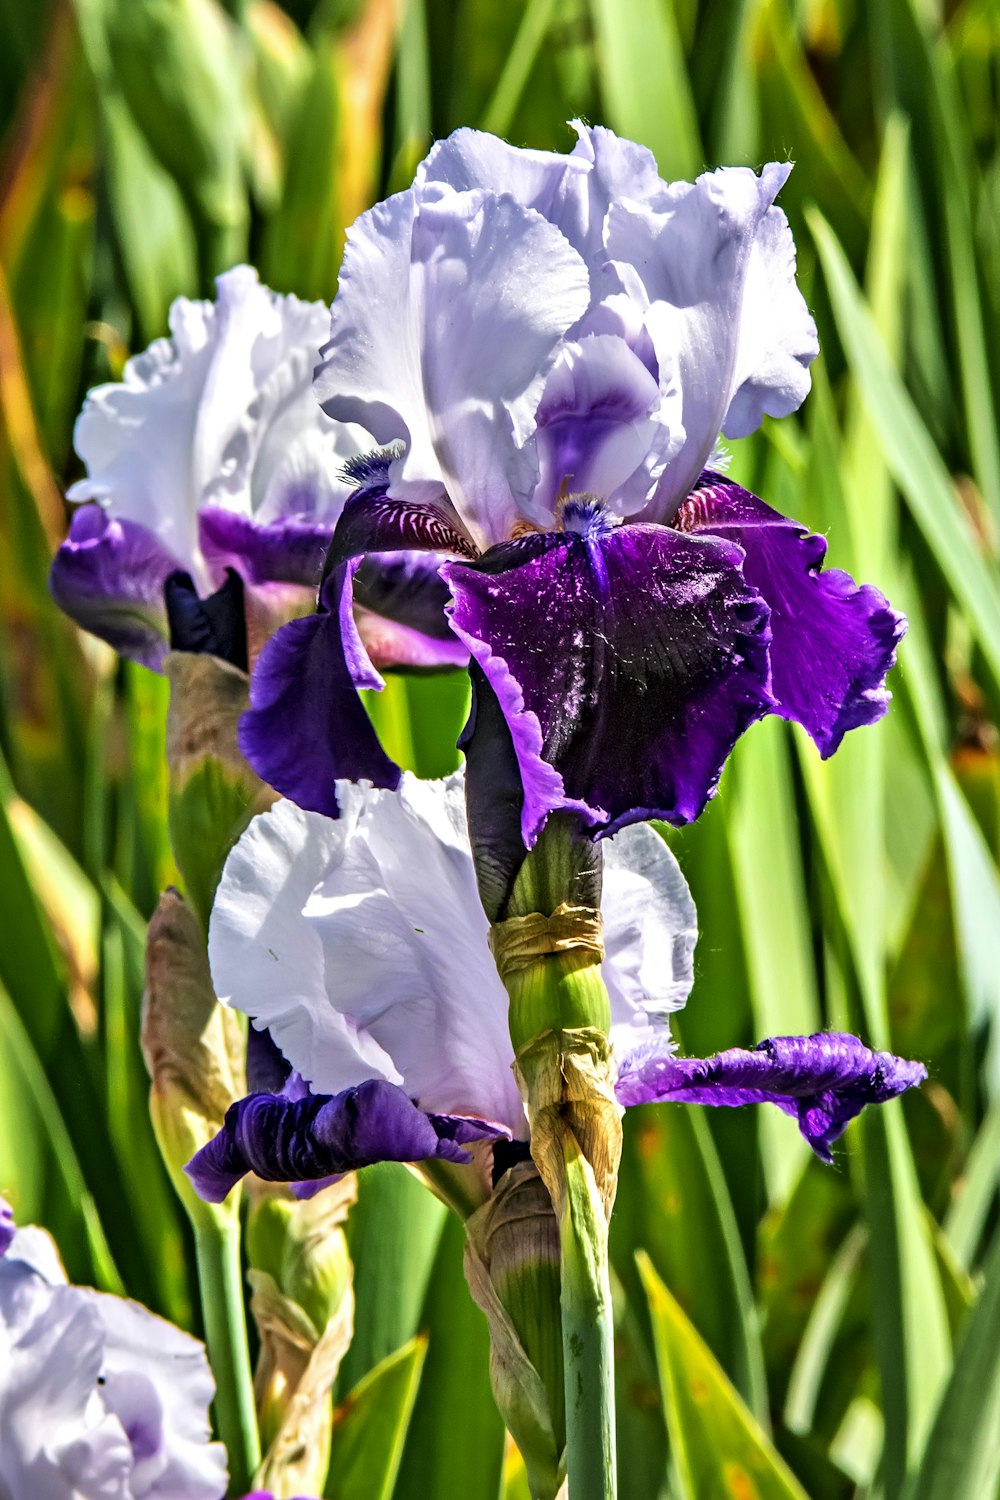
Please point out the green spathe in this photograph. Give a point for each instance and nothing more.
(512, 1268)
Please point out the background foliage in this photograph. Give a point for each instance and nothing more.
(789, 1329)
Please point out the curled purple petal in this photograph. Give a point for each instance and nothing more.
(7, 1226)
(823, 1081)
(215, 625)
(306, 726)
(627, 661)
(108, 576)
(300, 1140)
(832, 640)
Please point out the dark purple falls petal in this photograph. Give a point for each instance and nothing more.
(306, 726)
(832, 640)
(108, 576)
(823, 1081)
(627, 660)
(300, 1140)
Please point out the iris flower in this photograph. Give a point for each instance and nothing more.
(361, 945)
(99, 1399)
(217, 481)
(548, 349)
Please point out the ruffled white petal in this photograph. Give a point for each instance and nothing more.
(99, 1399)
(362, 945)
(450, 311)
(573, 192)
(158, 1384)
(209, 415)
(706, 260)
(778, 338)
(650, 932)
(460, 296)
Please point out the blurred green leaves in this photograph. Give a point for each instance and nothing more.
(151, 142)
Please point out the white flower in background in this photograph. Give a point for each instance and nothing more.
(99, 1399)
(211, 452)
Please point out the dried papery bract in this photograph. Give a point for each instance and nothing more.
(512, 1268)
(303, 1304)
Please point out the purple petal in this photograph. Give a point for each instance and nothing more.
(7, 1226)
(286, 551)
(371, 522)
(108, 576)
(269, 1495)
(214, 626)
(822, 1080)
(400, 603)
(627, 660)
(832, 640)
(268, 1070)
(306, 726)
(286, 1140)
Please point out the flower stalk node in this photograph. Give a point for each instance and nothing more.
(519, 942)
(566, 1079)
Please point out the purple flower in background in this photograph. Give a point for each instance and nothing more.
(7, 1226)
(548, 348)
(99, 1399)
(361, 944)
(216, 475)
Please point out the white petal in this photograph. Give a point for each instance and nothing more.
(573, 192)
(192, 417)
(158, 1384)
(99, 1399)
(362, 944)
(450, 309)
(650, 931)
(777, 334)
(57, 1441)
(690, 253)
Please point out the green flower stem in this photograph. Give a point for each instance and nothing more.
(588, 1333)
(220, 1278)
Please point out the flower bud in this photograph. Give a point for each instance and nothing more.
(512, 1268)
(192, 1045)
(567, 1081)
(300, 1271)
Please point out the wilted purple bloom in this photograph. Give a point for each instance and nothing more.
(361, 944)
(548, 348)
(215, 474)
(99, 1399)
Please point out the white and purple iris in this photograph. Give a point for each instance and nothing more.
(99, 1399)
(215, 472)
(361, 944)
(548, 348)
